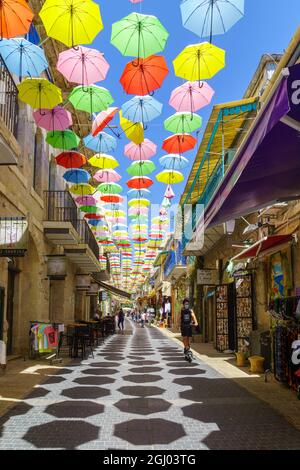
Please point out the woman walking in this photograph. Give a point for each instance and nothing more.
(187, 319)
(121, 318)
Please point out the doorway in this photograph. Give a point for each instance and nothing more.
(2, 294)
(11, 281)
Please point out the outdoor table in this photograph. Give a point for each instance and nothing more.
(76, 327)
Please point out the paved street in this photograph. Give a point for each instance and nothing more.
(139, 393)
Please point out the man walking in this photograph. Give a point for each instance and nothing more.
(187, 319)
(121, 318)
(143, 319)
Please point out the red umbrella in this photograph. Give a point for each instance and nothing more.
(140, 182)
(179, 143)
(94, 216)
(112, 198)
(71, 159)
(145, 77)
(102, 120)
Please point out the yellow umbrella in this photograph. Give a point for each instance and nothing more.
(71, 22)
(170, 177)
(103, 161)
(115, 213)
(139, 202)
(39, 93)
(134, 131)
(82, 189)
(199, 61)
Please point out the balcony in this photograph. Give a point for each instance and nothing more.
(62, 226)
(9, 148)
(175, 265)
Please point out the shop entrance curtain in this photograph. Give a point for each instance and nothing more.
(267, 169)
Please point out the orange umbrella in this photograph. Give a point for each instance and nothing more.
(145, 77)
(102, 120)
(71, 159)
(15, 18)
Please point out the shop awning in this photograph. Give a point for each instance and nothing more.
(264, 246)
(266, 168)
(113, 289)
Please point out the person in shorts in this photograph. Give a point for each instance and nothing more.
(187, 320)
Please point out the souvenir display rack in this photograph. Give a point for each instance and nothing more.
(224, 316)
(244, 309)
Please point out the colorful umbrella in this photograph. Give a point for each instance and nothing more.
(86, 201)
(103, 161)
(39, 93)
(139, 35)
(183, 122)
(207, 18)
(179, 143)
(66, 140)
(138, 211)
(143, 151)
(140, 183)
(139, 202)
(107, 176)
(71, 160)
(166, 202)
(142, 109)
(102, 120)
(23, 58)
(109, 188)
(170, 177)
(145, 77)
(190, 97)
(138, 193)
(71, 22)
(199, 62)
(134, 131)
(16, 17)
(91, 99)
(173, 162)
(77, 176)
(82, 65)
(82, 189)
(112, 198)
(102, 143)
(56, 119)
(91, 210)
(169, 194)
(142, 168)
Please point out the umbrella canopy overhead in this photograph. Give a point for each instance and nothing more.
(210, 17)
(56, 119)
(86, 200)
(170, 177)
(103, 161)
(143, 151)
(66, 140)
(183, 122)
(82, 189)
(102, 143)
(140, 183)
(199, 62)
(142, 168)
(83, 65)
(107, 176)
(179, 143)
(138, 193)
(77, 176)
(142, 109)
(73, 22)
(112, 198)
(39, 93)
(109, 188)
(15, 18)
(22, 57)
(139, 35)
(134, 131)
(102, 120)
(71, 160)
(173, 162)
(190, 97)
(145, 77)
(91, 99)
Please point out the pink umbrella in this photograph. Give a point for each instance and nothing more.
(86, 201)
(169, 194)
(143, 151)
(189, 97)
(56, 119)
(107, 176)
(138, 210)
(83, 65)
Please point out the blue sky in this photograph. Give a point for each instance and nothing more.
(267, 27)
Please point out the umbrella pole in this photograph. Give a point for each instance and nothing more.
(115, 133)
(211, 20)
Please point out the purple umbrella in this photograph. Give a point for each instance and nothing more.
(56, 119)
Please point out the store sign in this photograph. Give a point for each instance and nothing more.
(57, 267)
(207, 277)
(166, 289)
(13, 236)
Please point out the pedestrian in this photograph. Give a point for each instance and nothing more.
(121, 318)
(187, 319)
(143, 319)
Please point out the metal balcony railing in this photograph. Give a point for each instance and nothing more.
(60, 207)
(8, 99)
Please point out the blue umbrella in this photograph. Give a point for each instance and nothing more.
(77, 176)
(96, 222)
(119, 227)
(102, 143)
(22, 57)
(209, 17)
(173, 162)
(142, 109)
(138, 193)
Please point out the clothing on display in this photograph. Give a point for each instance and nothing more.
(44, 336)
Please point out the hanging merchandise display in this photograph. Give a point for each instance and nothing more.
(244, 309)
(225, 318)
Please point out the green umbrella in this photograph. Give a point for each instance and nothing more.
(142, 168)
(139, 35)
(89, 209)
(91, 99)
(110, 188)
(66, 140)
(181, 123)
